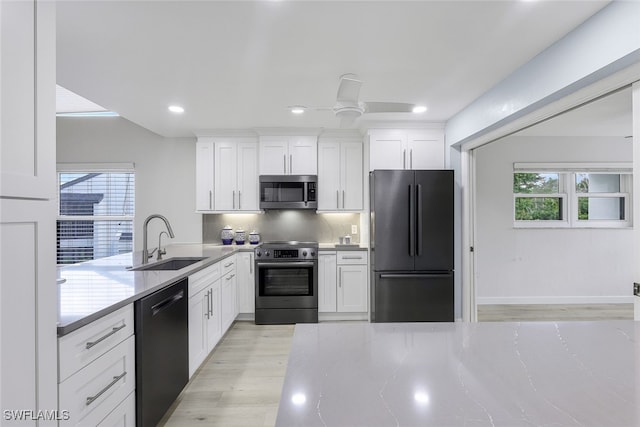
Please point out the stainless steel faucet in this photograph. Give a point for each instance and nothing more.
(145, 250)
(160, 250)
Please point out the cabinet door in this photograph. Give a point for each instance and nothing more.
(247, 179)
(226, 193)
(274, 155)
(329, 194)
(352, 288)
(214, 322)
(228, 300)
(198, 313)
(204, 175)
(327, 282)
(246, 283)
(303, 156)
(351, 175)
(426, 150)
(387, 150)
(123, 416)
(27, 99)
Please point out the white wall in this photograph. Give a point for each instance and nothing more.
(546, 265)
(165, 170)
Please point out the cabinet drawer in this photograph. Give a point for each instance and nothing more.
(123, 416)
(228, 264)
(85, 345)
(352, 257)
(203, 278)
(97, 389)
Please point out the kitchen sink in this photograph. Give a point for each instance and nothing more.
(175, 263)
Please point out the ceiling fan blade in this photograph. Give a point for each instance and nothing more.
(349, 90)
(389, 107)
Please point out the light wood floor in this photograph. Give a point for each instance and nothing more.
(241, 381)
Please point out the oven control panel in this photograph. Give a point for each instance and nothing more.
(286, 253)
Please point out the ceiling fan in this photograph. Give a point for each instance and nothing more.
(348, 107)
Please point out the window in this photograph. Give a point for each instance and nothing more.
(572, 195)
(95, 212)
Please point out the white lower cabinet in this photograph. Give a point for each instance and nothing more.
(342, 282)
(246, 282)
(96, 390)
(212, 308)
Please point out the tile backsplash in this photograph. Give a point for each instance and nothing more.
(284, 225)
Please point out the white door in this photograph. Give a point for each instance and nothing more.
(246, 283)
(226, 193)
(329, 194)
(327, 282)
(198, 313)
(214, 322)
(426, 150)
(352, 288)
(204, 175)
(351, 176)
(387, 150)
(303, 156)
(274, 155)
(228, 300)
(247, 178)
(27, 100)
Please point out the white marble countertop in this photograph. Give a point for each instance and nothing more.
(463, 374)
(95, 288)
(339, 247)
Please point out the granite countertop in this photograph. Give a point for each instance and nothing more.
(96, 288)
(455, 374)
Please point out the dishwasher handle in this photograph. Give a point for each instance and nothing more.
(166, 303)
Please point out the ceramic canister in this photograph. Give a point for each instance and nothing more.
(254, 237)
(240, 237)
(227, 235)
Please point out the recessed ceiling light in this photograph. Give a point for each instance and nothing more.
(176, 109)
(297, 109)
(419, 109)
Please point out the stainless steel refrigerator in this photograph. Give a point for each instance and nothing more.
(412, 245)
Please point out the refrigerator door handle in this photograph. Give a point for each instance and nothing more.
(412, 222)
(419, 219)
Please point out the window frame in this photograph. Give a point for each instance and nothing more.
(569, 195)
(107, 168)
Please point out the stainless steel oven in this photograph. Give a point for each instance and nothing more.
(288, 192)
(286, 283)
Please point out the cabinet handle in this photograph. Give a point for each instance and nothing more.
(208, 304)
(404, 159)
(250, 265)
(284, 159)
(239, 200)
(233, 198)
(337, 199)
(113, 331)
(342, 199)
(211, 304)
(92, 399)
(339, 277)
(351, 257)
(210, 199)
(231, 277)
(228, 265)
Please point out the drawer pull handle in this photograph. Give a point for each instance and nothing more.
(92, 399)
(351, 257)
(228, 265)
(231, 277)
(113, 331)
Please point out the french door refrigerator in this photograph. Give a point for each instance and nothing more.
(412, 245)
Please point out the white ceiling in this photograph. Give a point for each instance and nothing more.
(239, 64)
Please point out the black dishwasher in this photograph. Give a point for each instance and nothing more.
(162, 351)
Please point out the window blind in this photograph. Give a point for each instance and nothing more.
(95, 214)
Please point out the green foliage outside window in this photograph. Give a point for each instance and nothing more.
(537, 208)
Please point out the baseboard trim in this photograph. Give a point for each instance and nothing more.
(619, 299)
(333, 317)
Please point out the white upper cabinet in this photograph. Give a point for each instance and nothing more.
(226, 174)
(288, 155)
(340, 181)
(27, 100)
(402, 149)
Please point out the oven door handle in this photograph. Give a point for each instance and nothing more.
(285, 264)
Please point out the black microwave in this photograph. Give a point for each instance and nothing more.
(288, 192)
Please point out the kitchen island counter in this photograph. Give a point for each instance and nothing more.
(454, 374)
(93, 289)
